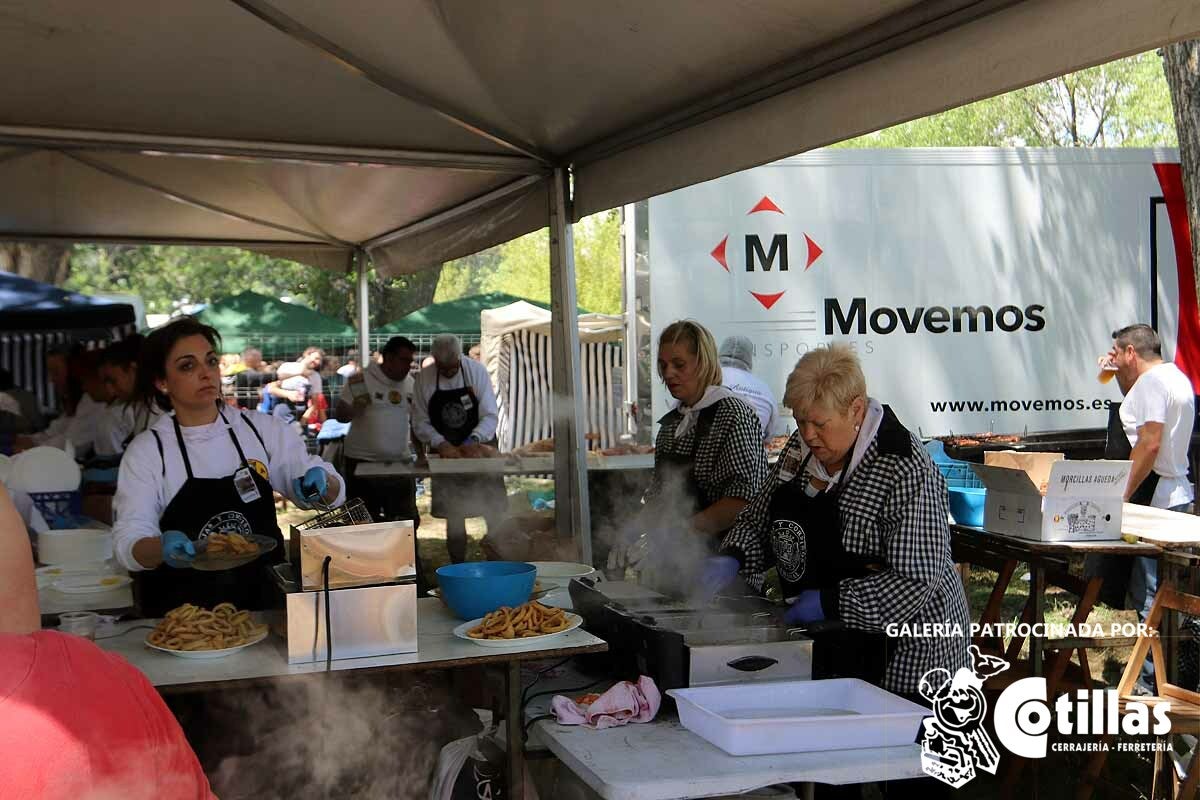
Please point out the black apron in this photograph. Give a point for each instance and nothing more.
(806, 537)
(1115, 570)
(213, 505)
(454, 413)
(676, 472)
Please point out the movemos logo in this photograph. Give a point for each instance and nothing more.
(858, 318)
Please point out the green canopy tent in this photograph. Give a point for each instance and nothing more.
(454, 316)
(278, 329)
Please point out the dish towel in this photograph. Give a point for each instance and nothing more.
(623, 703)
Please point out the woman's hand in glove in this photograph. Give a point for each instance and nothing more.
(177, 549)
(807, 608)
(719, 572)
(310, 488)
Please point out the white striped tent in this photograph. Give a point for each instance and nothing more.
(516, 349)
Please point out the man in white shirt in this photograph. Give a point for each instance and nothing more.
(1156, 417)
(378, 401)
(455, 414)
(737, 361)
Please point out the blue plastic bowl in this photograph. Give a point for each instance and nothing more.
(475, 588)
(966, 505)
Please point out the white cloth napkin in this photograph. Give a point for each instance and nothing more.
(713, 394)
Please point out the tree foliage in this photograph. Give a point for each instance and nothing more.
(166, 277)
(522, 267)
(1124, 103)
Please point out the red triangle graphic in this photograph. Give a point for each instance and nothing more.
(766, 204)
(718, 253)
(814, 251)
(767, 300)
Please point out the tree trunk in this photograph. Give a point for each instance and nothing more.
(389, 303)
(47, 263)
(1181, 62)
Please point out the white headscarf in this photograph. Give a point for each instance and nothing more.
(713, 394)
(866, 434)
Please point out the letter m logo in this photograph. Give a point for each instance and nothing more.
(754, 252)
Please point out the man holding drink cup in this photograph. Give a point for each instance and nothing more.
(1156, 419)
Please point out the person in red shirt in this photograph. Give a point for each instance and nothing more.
(77, 723)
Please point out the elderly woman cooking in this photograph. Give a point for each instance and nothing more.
(854, 519)
(708, 460)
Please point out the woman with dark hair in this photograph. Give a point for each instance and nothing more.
(204, 468)
(127, 415)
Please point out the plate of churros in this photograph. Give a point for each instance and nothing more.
(229, 550)
(193, 632)
(528, 623)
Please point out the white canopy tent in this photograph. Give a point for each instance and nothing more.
(413, 132)
(516, 340)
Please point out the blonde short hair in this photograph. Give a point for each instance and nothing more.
(699, 342)
(829, 377)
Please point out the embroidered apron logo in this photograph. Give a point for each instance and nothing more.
(227, 522)
(788, 541)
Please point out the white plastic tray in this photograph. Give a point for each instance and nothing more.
(798, 716)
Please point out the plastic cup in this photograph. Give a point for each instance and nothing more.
(79, 623)
(1108, 370)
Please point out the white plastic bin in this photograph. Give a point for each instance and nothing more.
(798, 716)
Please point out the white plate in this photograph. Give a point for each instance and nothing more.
(90, 584)
(208, 654)
(57, 571)
(44, 469)
(461, 632)
(560, 573)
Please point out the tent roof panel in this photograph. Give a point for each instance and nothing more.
(636, 98)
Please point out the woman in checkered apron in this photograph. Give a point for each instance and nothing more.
(854, 519)
(708, 463)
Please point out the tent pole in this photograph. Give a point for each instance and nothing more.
(630, 307)
(359, 261)
(572, 517)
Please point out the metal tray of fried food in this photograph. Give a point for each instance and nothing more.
(209, 560)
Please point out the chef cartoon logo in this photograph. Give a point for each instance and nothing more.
(260, 468)
(227, 522)
(788, 542)
(955, 743)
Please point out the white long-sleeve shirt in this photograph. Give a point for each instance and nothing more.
(80, 429)
(143, 491)
(428, 382)
(121, 421)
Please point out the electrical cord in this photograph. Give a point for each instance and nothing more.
(541, 673)
(328, 624)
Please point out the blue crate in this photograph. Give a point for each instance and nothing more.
(55, 505)
(959, 474)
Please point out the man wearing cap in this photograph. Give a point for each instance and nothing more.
(378, 401)
(455, 414)
(737, 359)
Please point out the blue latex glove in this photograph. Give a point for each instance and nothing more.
(719, 572)
(807, 608)
(177, 549)
(311, 487)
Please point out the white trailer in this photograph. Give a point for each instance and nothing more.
(978, 285)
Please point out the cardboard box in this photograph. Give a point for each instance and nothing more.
(1082, 503)
(1036, 465)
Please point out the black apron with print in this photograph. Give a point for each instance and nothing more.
(213, 505)
(454, 413)
(806, 538)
